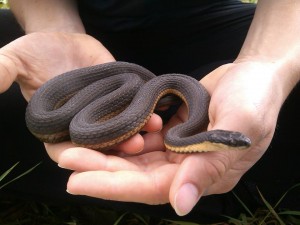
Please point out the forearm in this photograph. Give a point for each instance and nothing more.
(274, 38)
(48, 16)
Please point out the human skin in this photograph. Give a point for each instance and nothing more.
(263, 75)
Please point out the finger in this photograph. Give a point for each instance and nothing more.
(154, 124)
(139, 144)
(129, 186)
(55, 150)
(153, 142)
(82, 159)
(135, 144)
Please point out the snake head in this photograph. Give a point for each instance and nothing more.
(231, 139)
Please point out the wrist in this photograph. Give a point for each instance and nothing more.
(284, 71)
(67, 22)
(47, 16)
(55, 27)
(273, 40)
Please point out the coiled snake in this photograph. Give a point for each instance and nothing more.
(100, 106)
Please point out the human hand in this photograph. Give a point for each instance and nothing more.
(35, 58)
(246, 97)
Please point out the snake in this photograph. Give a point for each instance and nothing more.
(100, 106)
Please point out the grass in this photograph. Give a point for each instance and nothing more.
(4, 4)
(250, 1)
(31, 213)
(269, 214)
(24, 212)
(2, 176)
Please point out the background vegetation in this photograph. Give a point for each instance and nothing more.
(3, 4)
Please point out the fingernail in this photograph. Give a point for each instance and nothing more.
(185, 199)
(69, 192)
(61, 166)
(139, 151)
(157, 131)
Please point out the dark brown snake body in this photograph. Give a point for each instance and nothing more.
(100, 106)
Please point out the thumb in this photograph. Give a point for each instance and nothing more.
(196, 175)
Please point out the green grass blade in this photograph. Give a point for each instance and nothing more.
(232, 220)
(271, 209)
(283, 196)
(291, 213)
(120, 218)
(245, 219)
(18, 177)
(292, 219)
(243, 204)
(142, 219)
(7, 172)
